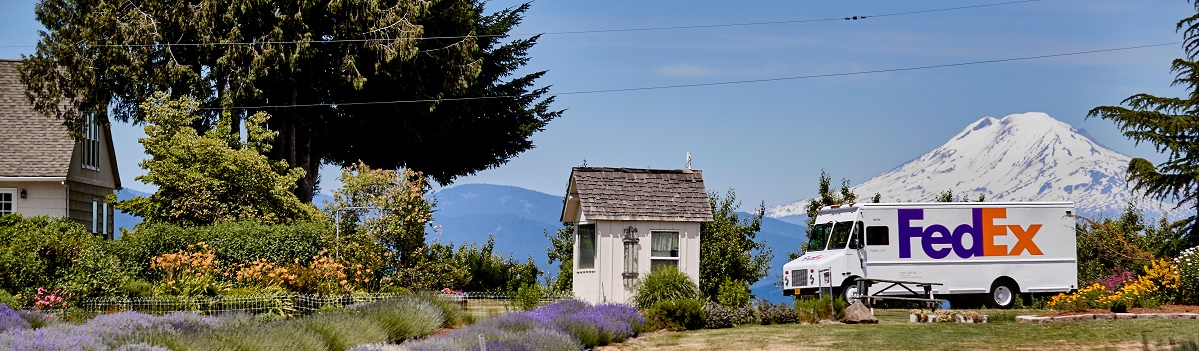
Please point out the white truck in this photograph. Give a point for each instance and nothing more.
(993, 249)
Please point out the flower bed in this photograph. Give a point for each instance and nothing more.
(566, 324)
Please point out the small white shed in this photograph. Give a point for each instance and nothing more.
(629, 221)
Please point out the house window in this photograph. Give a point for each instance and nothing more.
(630, 252)
(877, 235)
(587, 246)
(664, 249)
(8, 201)
(91, 143)
(95, 208)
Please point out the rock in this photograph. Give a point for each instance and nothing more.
(858, 313)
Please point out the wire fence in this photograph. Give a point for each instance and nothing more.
(480, 304)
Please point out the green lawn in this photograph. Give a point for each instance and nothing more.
(894, 332)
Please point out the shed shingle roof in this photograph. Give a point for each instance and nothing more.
(31, 144)
(641, 194)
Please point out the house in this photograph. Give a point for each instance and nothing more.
(629, 221)
(43, 171)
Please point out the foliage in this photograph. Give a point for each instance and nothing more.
(1188, 271)
(97, 272)
(664, 284)
(490, 271)
(214, 176)
(1129, 240)
(40, 251)
(388, 242)
(733, 294)
(717, 316)
(527, 297)
(1159, 284)
(826, 198)
(190, 272)
(1169, 124)
(810, 310)
(562, 325)
(728, 250)
(561, 249)
(676, 315)
(8, 299)
(446, 54)
(405, 318)
(233, 243)
(436, 266)
(777, 313)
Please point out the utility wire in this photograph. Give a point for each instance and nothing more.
(596, 31)
(747, 81)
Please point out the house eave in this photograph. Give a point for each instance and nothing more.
(32, 179)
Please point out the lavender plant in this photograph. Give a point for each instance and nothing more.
(10, 319)
(563, 325)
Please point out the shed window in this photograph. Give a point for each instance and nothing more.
(877, 235)
(630, 252)
(587, 246)
(8, 202)
(664, 249)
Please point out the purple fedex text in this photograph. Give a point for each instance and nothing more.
(938, 241)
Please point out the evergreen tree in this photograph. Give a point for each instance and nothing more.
(319, 67)
(1171, 124)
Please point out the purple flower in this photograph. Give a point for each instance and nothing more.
(10, 319)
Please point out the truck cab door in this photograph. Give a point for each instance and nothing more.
(855, 260)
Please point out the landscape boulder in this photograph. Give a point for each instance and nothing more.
(858, 313)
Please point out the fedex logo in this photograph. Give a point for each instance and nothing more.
(938, 241)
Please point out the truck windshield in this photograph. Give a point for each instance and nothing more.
(818, 237)
(840, 235)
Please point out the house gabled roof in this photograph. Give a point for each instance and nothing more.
(31, 144)
(637, 195)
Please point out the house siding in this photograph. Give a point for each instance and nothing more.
(41, 198)
(81, 198)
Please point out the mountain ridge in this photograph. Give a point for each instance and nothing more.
(1020, 157)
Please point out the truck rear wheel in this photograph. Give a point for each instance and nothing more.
(1003, 294)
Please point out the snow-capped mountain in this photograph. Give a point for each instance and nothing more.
(1021, 157)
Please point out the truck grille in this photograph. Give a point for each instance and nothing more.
(799, 277)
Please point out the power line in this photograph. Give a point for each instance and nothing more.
(595, 31)
(747, 81)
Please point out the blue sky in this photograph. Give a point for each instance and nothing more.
(769, 140)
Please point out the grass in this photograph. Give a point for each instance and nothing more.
(894, 332)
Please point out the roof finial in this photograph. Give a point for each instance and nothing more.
(688, 160)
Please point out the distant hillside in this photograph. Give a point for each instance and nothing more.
(123, 220)
(519, 218)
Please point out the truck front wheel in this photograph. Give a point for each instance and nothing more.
(849, 290)
(1003, 294)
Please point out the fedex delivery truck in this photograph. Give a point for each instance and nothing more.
(992, 249)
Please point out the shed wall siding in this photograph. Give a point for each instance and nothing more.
(82, 196)
(606, 283)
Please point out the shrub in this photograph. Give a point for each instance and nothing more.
(676, 315)
(97, 272)
(39, 251)
(813, 310)
(778, 313)
(405, 318)
(527, 297)
(562, 325)
(665, 284)
(733, 294)
(231, 242)
(718, 317)
(1188, 271)
(451, 312)
(343, 330)
(10, 319)
(1119, 306)
(9, 300)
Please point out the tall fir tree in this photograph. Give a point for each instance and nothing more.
(327, 71)
(1171, 124)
